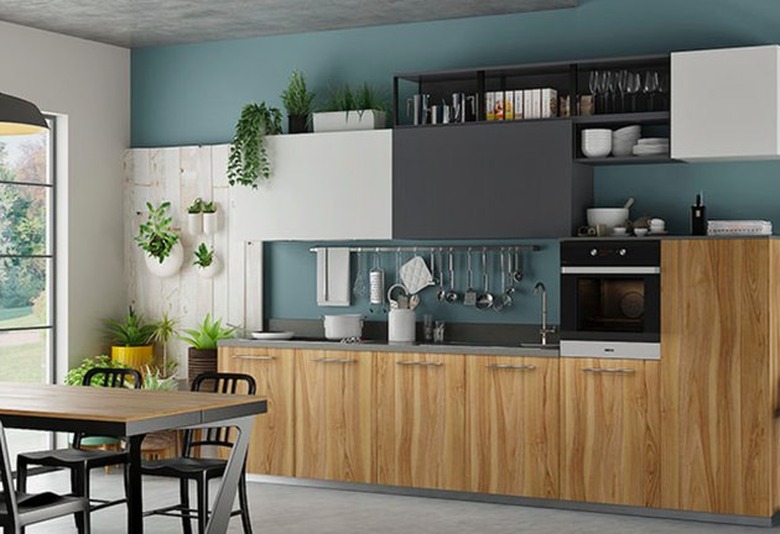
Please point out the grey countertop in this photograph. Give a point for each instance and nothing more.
(378, 346)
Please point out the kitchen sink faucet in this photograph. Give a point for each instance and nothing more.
(544, 330)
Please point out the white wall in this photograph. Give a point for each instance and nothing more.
(89, 84)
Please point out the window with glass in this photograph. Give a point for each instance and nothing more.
(27, 263)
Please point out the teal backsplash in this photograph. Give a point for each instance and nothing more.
(192, 94)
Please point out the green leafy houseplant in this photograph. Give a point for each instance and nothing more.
(75, 376)
(209, 207)
(297, 100)
(206, 335)
(203, 256)
(155, 379)
(196, 206)
(156, 235)
(132, 331)
(344, 98)
(248, 160)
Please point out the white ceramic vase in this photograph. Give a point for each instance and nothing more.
(195, 223)
(210, 225)
(212, 270)
(169, 265)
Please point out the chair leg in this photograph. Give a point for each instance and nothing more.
(184, 500)
(203, 503)
(243, 502)
(21, 475)
(78, 487)
(86, 520)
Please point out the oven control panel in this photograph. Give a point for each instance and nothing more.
(611, 252)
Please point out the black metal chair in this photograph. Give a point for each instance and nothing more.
(80, 461)
(201, 470)
(18, 509)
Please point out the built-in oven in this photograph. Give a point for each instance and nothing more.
(611, 298)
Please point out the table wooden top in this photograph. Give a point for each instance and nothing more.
(118, 410)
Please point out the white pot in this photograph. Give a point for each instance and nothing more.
(335, 121)
(210, 223)
(339, 327)
(212, 270)
(195, 223)
(401, 326)
(169, 265)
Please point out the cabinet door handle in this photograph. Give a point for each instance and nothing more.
(600, 371)
(499, 366)
(335, 360)
(261, 358)
(420, 364)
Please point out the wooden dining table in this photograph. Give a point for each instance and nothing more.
(132, 414)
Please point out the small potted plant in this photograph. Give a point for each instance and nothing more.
(347, 109)
(248, 159)
(207, 263)
(195, 217)
(164, 330)
(202, 353)
(75, 375)
(297, 101)
(210, 218)
(131, 340)
(164, 253)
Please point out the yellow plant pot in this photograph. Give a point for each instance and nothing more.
(134, 357)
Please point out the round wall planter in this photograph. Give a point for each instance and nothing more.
(133, 357)
(200, 361)
(195, 223)
(212, 270)
(170, 265)
(210, 223)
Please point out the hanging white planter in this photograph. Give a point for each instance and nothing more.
(212, 270)
(195, 223)
(210, 223)
(169, 265)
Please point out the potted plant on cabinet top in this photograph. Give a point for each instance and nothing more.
(131, 340)
(164, 253)
(248, 159)
(195, 217)
(362, 109)
(206, 261)
(202, 353)
(210, 218)
(297, 101)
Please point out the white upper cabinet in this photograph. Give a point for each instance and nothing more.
(725, 104)
(334, 186)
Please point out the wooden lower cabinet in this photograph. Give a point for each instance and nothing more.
(610, 424)
(271, 446)
(334, 415)
(512, 425)
(420, 435)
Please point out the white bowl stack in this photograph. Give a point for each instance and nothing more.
(624, 139)
(651, 146)
(596, 142)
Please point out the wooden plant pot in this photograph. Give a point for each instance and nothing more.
(200, 361)
(133, 357)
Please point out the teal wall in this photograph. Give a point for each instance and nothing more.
(192, 94)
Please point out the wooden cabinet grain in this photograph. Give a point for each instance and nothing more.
(334, 415)
(610, 424)
(720, 375)
(512, 425)
(420, 420)
(271, 446)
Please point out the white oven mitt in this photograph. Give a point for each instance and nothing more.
(415, 275)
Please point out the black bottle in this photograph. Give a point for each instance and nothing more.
(699, 216)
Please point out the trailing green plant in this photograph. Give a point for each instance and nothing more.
(209, 207)
(203, 256)
(132, 331)
(206, 335)
(344, 98)
(75, 376)
(196, 206)
(248, 160)
(297, 98)
(156, 235)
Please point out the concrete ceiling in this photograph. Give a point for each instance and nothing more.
(134, 23)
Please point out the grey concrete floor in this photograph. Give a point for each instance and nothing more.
(280, 509)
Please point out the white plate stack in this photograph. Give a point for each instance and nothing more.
(651, 146)
(624, 139)
(596, 142)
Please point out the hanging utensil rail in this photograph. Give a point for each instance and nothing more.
(444, 248)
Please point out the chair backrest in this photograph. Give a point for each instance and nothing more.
(112, 377)
(9, 494)
(229, 383)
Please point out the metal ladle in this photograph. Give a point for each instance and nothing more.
(504, 298)
(518, 272)
(442, 294)
(485, 300)
(452, 295)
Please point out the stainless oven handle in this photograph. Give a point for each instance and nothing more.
(610, 270)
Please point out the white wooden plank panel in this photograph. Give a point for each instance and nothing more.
(219, 161)
(221, 299)
(254, 286)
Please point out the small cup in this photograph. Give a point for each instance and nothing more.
(619, 230)
(428, 327)
(602, 230)
(640, 232)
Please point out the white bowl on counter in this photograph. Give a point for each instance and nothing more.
(610, 217)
